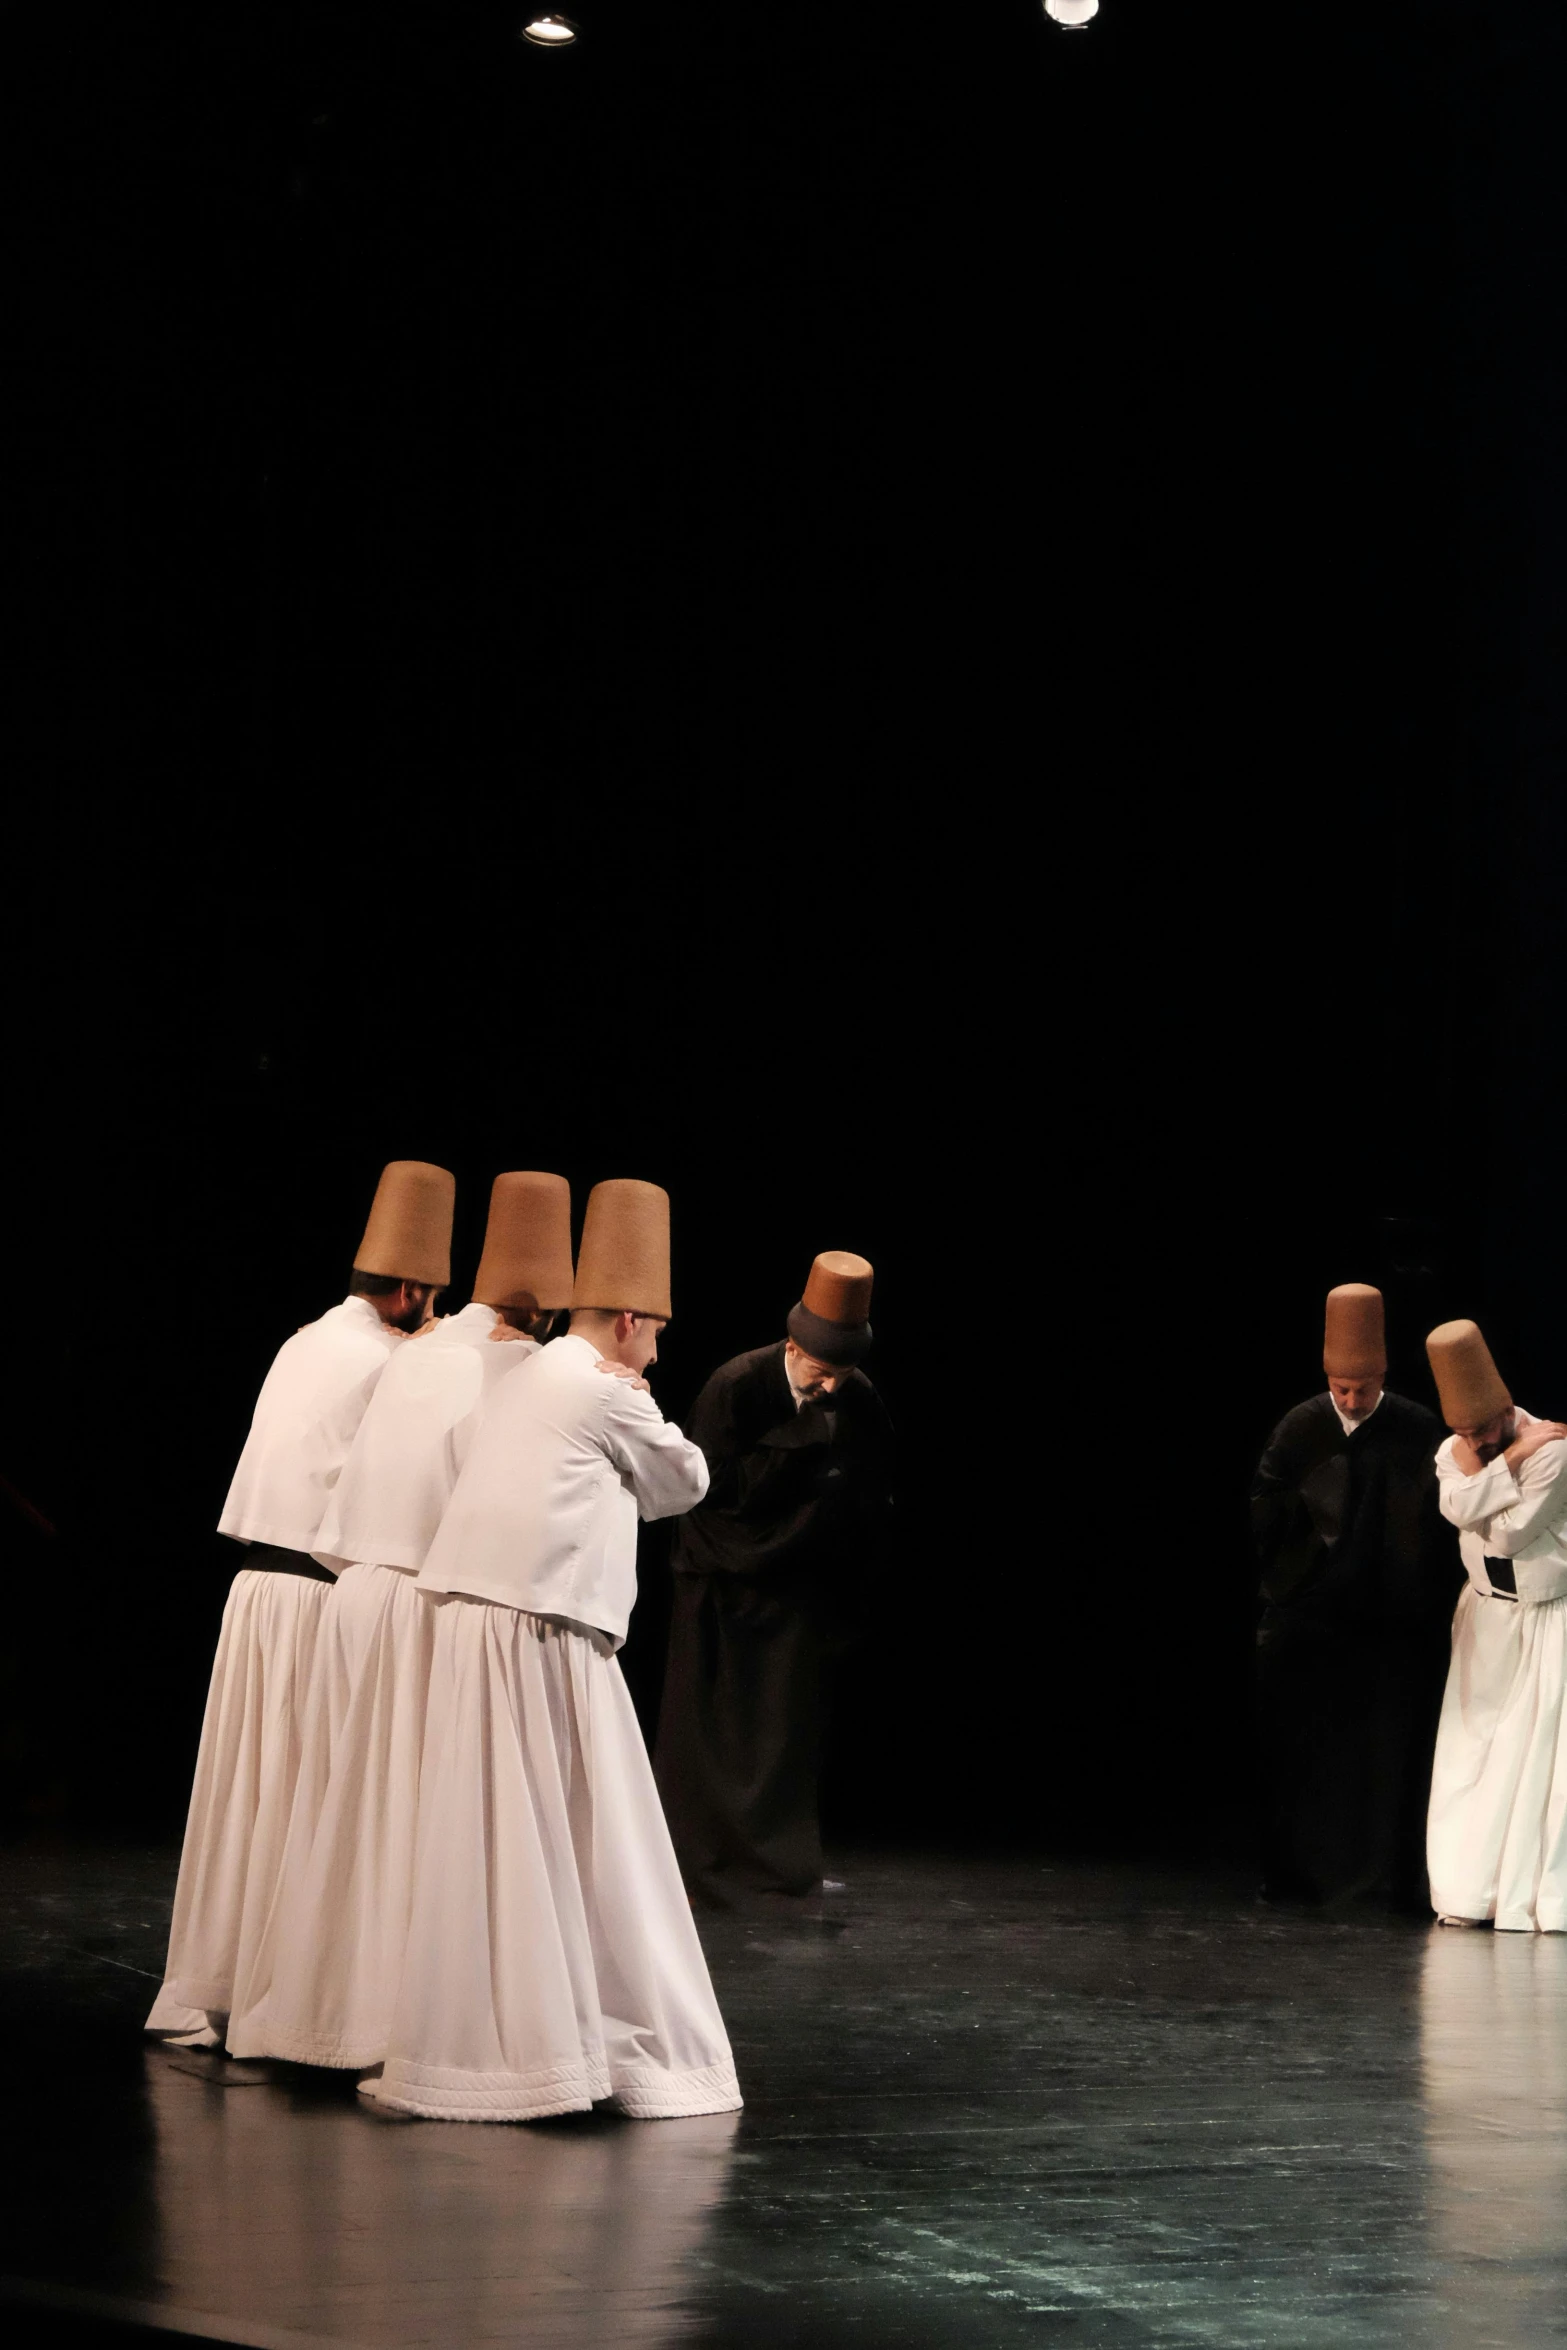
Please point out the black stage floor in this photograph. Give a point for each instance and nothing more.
(988, 2104)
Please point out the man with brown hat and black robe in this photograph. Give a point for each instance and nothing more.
(770, 1578)
(551, 1957)
(320, 1988)
(1498, 1823)
(1358, 1577)
(306, 1418)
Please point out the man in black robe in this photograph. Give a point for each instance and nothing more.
(1359, 1577)
(771, 1576)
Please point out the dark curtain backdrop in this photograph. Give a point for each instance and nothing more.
(946, 637)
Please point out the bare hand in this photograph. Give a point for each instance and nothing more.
(1530, 1440)
(502, 1332)
(622, 1371)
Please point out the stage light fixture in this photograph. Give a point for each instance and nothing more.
(1072, 15)
(550, 32)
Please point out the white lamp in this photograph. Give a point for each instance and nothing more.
(1072, 14)
(558, 32)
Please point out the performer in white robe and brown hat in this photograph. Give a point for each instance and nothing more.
(306, 1417)
(320, 1988)
(1497, 1836)
(551, 1958)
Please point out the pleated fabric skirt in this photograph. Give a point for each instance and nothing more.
(322, 1984)
(551, 1957)
(1497, 1834)
(246, 1767)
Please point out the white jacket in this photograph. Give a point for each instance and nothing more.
(544, 1515)
(1518, 1518)
(307, 1415)
(413, 1440)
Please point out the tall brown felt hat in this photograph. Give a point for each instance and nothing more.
(527, 1244)
(1467, 1381)
(409, 1235)
(1354, 1344)
(623, 1263)
(831, 1320)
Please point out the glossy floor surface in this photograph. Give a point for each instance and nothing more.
(987, 2104)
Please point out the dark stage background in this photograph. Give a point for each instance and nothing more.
(944, 636)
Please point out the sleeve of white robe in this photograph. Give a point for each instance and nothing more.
(665, 1471)
(1541, 1501)
(1468, 1502)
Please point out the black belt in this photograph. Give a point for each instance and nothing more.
(274, 1561)
(1500, 1576)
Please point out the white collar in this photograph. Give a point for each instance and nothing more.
(1349, 1426)
(572, 1339)
(474, 1308)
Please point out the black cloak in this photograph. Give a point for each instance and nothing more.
(1359, 1577)
(773, 1574)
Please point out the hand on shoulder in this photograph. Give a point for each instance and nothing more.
(1533, 1439)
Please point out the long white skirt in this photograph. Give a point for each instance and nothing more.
(1497, 1834)
(323, 1983)
(551, 1955)
(244, 1789)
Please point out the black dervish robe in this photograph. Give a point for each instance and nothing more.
(1359, 1577)
(772, 1575)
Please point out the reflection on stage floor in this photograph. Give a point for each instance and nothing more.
(988, 2103)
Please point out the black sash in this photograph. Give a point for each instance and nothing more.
(274, 1561)
(1500, 1576)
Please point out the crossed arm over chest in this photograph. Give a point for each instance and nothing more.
(1509, 1509)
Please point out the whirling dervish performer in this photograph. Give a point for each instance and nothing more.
(551, 1957)
(306, 1417)
(1359, 1576)
(320, 1988)
(1497, 1840)
(772, 1573)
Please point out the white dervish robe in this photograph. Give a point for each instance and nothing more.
(1497, 1834)
(551, 1956)
(309, 1408)
(319, 1988)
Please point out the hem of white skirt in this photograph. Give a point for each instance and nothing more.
(174, 2015)
(645, 2092)
(447, 2093)
(291, 2044)
(649, 2092)
(209, 1994)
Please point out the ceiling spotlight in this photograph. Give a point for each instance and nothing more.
(1072, 14)
(558, 32)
